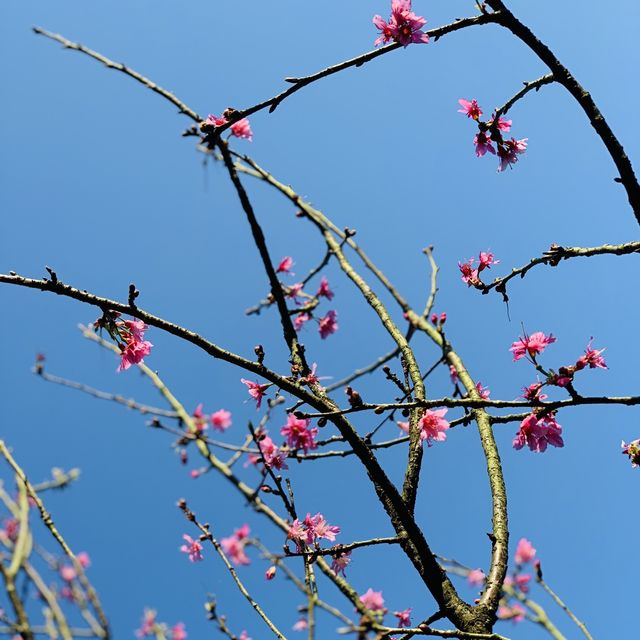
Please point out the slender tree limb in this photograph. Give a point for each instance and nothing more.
(528, 86)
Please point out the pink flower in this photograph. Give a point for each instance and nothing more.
(484, 392)
(148, 625)
(256, 390)
(285, 265)
(592, 358)
(293, 291)
(242, 129)
(515, 613)
(318, 528)
(178, 632)
(300, 320)
(453, 374)
(404, 426)
(311, 377)
(433, 426)
(509, 151)
(134, 352)
(486, 259)
(193, 548)
(532, 392)
(524, 552)
(537, 433)
(632, 449)
(273, 456)
(200, 420)
(340, 562)
(522, 582)
(323, 290)
(373, 600)
(328, 324)
(301, 625)
(215, 120)
(296, 532)
(298, 433)
(234, 546)
(68, 573)
(483, 144)
(469, 274)
(470, 108)
(404, 26)
(244, 636)
(270, 573)
(11, 529)
(221, 420)
(476, 577)
(531, 345)
(503, 125)
(404, 617)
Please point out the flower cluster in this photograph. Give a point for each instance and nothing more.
(432, 425)
(240, 129)
(193, 548)
(632, 449)
(298, 433)
(311, 530)
(150, 627)
(274, 457)
(471, 274)
(220, 420)
(129, 336)
(537, 431)
(235, 544)
(517, 582)
(340, 562)
(403, 27)
(490, 133)
(373, 600)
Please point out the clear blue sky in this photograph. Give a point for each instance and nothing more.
(97, 182)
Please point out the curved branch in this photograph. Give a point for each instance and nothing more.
(528, 86)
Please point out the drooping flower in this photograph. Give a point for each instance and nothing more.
(404, 26)
(340, 562)
(234, 546)
(525, 552)
(373, 600)
(537, 432)
(178, 632)
(256, 390)
(273, 456)
(470, 108)
(298, 433)
(285, 266)
(469, 274)
(632, 449)
(509, 151)
(485, 260)
(531, 345)
(433, 426)
(591, 358)
(221, 420)
(404, 617)
(300, 320)
(483, 144)
(242, 129)
(323, 290)
(328, 324)
(476, 577)
(193, 548)
(134, 352)
(515, 613)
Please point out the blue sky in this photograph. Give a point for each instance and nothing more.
(97, 182)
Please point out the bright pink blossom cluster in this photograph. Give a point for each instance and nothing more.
(518, 581)
(256, 390)
(490, 133)
(432, 426)
(471, 274)
(234, 545)
(403, 26)
(537, 431)
(311, 530)
(274, 457)
(129, 336)
(373, 600)
(240, 129)
(220, 420)
(298, 433)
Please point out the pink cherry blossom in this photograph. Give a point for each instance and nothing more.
(215, 120)
(524, 552)
(68, 573)
(242, 129)
(531, 345)
(244, 636)
(532, 392)
(234, 546)
(285, 265)
(328, 324)
(178, 632)
(134, 352)
(318, 528)
(340, 562)
(404, 617)
(483, 392)
(521, 582)
(404, 426)
(403, 26)
(453, 374)
(485, 260)
(469, 274)
(386, 30)
(323, 290)
(270, 573)
(515, 613)
(591, 358)
(242, 532)
(483, 144)
(200, 420)
(301, 625)
(296, 532)
(537, 433)
(509, 151)
(294, 291)
(476, 577)
(148, 625)
(10, 529)
(221, 420)
(632, 449)
(470, 108)
(300, 320)
(193, 548)
(256, 390)
(373, 600)
(503, 124)
(433, 426)
(84, 559)
(298, 433)
(273, 456)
